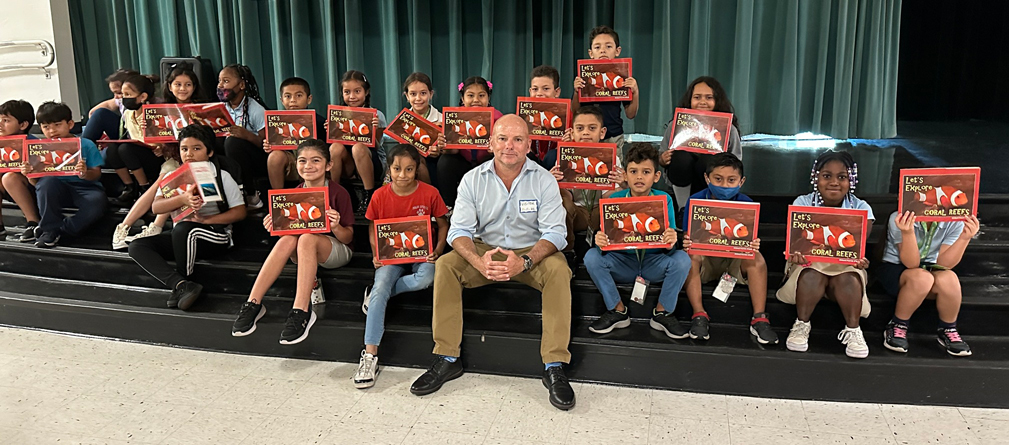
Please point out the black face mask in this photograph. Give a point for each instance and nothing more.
(130, 103)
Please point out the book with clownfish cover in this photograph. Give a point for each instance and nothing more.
(468, 127)
(198, 177)
(403, 240)
(163, 122)
(412, 129)
(827, 234)
(53, 157)
(12, 153)
(299, 210)
(350, 125)
(700, 131)
(286, 129)
(586, 165)
(939, 194)
(634, 223)
(604, 80)
(722, 228)
(549, 117)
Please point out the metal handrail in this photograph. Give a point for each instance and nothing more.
(46, 48)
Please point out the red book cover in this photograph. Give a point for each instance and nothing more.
(403, 240)
(412, 129)
(53, 157)
(700, 131)
(176, 183)
(827, 234)
(939, 194)
(722, 228)
(350, 125)
(214, 115)
(604, 80)
(586, 165)
(549, 117)
(468, 127)
(286, 129)
(12, 150)
(162, 122)
(634, 223)
(299, 210)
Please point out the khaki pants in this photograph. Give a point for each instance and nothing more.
(551, 277)
(578, 218)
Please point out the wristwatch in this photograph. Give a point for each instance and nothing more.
(528, 263)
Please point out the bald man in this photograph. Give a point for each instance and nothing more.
(507, 225)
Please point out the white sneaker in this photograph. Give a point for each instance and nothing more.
(252, 202)
(367, 300)
(856, 347)
(119, 237)
(148, 230)
(367, 370)
(798, 338)
(318, 297)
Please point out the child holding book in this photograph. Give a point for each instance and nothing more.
(418, 90)
(206, 233)
(132, 160)
(725, 177)
(54, 193)
(834, 177)
(295, 94)
(917, 264)
(544, 82)
(404, 196)
(356, 92)
(454, 164)
(16, 118)
(607, 268)
(237, 88)
(604, 43)
(309, 251)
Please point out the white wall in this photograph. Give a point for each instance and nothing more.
(47, 20)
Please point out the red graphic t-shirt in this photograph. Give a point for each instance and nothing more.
(386, 204)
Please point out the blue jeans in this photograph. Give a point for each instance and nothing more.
(55, 194)
(389, 281)
(103, 122)
(609, 268)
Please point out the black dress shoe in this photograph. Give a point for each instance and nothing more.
(561, 395)
(440, 372)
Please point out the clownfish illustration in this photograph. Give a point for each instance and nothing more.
(354, 127)
(607, 81)
(591, 166)
(545, 119)
(10, 154)
(472, 129)
(294, 130)
(56, 157)
(212, 122)
(303, 211)
(944, 196)
(407, 240)
(638, 222)
(726, 227)
(418, 134)
(167, 122)
(830, 236)
(703, 132)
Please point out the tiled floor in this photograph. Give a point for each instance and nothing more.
(58, 388)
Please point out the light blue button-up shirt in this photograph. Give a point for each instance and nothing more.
(514, 219)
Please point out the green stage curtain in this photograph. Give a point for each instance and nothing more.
(789, 66)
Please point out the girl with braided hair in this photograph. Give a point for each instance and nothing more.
(237, 88)
(834, 177)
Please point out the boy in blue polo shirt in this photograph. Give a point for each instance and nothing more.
(54, 193)
(725, 176)
(604, 43)
(667, 265)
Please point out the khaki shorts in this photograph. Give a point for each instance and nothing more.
(787, 292)
(291, 167)
(339, 254)
(712, 269)
(619, 140)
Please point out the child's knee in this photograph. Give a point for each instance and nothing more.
(336, 150)
(917, 279)
(361, 150)
(846, 284)
(593, 259)
(277, 158)
(946, 283)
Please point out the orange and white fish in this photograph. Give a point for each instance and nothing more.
(830, 236)
(726, 227)
(169, 122)
(407, 240)
(590, 165)
(56, 157)
(944, 196)
(607, 81)
(10, 154)
(545, 119)
(642, 223)
(703, 132)
(418, 134)
(354, 127)
(212, 122)
(303, 211)
(472, 129)
(294, 130)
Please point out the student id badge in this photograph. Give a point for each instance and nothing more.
(528, 206)
(724, 288)
(640, 290)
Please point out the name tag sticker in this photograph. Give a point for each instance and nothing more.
(528, 206)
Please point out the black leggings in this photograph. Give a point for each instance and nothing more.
(250, 159)
(451, 169)
(186, 242)
(134, 157)
(687, 169)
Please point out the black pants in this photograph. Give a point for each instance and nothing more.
(186, 242)
(688, 169)
(451, 169)
(250, 159)
(134, 157)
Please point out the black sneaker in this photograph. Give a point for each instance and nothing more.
(185, 294)
(362, 208)
(609, 321)
(950, 339)
(699, 327)
(895, 337)
(760, 328)
(47, 240)
(127, 197)
(3, 231)
(245, 324)
(298, 324)
(666, 322)
(31, 233)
